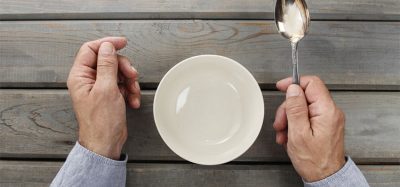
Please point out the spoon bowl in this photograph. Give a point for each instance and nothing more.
(292, 19)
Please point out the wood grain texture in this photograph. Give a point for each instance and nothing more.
(347, 55)
(34, 174)
(191, 9)
(41, 124)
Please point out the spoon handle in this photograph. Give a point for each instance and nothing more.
(296, 76)
(295, 62)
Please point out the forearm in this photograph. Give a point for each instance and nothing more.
(86, 168)
(349, 176)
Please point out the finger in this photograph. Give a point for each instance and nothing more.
(283, 84)
(128, 72)
(297, 112)
(126, 68)
(121, 79)
(123, 91)
(132, 85)
(281, 137)
(87, 54)
(135, 97)
(107, 64)
(280, 122)
(313, 86)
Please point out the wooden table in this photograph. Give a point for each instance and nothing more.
(353, 45)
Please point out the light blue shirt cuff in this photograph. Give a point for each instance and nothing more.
(348, 176)
(86, 168)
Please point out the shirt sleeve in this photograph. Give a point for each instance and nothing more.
(348, 176)
(86, 168)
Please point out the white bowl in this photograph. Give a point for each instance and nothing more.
(208, 109)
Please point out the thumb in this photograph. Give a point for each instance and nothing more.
(107, 63)
(297, 111)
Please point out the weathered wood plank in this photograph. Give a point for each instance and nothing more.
(33, 174)
(41, 124)
(347, 55)
(189, 9)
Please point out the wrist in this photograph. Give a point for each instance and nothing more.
(325, 171)
(106, 150)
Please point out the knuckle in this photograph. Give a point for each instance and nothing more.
(315, 78)
(85, 49)
(296, 109)
(107, 62)
(84, 46)
(337, 120)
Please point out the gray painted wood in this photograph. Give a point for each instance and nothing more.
(34, 174)
(41, 124)
(241, 175)
(189, 9)
(347, 55)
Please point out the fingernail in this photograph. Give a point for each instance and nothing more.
(137, 86)
(106, 49)
(137, 102)
(279, 82)
(134, 69)
(293, 91)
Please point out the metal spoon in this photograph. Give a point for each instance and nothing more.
(292, 19)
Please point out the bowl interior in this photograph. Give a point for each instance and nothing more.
(208, 109)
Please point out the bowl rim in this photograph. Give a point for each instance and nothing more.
(250, 141)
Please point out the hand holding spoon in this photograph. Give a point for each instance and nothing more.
(292, 19)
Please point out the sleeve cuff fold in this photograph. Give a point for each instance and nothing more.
(90, 155)
(349, 175)
(87, 168)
